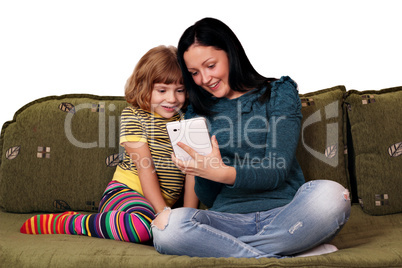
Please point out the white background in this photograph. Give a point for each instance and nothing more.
(86, 46)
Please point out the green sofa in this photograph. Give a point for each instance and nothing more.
(59, 152)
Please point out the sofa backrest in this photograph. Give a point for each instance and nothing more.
(374, 128)
(59, 152)
(322, 151)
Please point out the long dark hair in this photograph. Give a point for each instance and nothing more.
(242, 75)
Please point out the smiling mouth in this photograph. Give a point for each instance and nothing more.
(170, 108)
(214, 86)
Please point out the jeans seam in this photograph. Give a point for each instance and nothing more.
(223, 217)
(266, 225)
(306, 186)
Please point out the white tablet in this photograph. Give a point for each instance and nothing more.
(193, 132)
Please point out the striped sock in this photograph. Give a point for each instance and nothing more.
(47, 223)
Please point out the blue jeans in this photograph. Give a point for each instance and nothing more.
(314, 216)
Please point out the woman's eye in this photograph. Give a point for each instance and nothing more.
(193, 73)
(211, 66)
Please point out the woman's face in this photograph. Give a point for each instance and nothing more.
(209, 68)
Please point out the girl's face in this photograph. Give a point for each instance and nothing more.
(209, 68)
(167, 99)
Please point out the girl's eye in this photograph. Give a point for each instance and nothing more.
(193, 73)
(181, 90)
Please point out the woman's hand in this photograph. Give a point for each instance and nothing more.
(210, 167)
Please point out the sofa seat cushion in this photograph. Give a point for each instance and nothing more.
(365, 241)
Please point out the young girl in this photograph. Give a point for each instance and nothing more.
(260, 205)
(146, 181)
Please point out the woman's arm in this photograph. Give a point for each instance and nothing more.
(210, 167)
(190, 198)
(284, 120)
(272, 170)
(141, 156)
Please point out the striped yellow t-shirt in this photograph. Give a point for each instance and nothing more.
(140, 125)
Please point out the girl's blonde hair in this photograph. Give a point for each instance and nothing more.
(158, 65)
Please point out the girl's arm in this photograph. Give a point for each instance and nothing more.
(141, 156)
(190, 198)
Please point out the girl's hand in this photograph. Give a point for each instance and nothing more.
(210, 167)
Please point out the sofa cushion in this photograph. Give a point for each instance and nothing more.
(375, 122)
(363, 242)
(59, 153)
(321, 150)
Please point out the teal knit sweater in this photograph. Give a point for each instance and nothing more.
(259, 140)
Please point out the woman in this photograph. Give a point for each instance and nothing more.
(260, 205)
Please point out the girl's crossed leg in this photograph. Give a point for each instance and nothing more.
(124, 215)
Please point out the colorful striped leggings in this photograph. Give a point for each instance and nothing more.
(123, 215)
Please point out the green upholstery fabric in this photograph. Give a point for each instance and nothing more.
(59, 153)
(365, 241)
(55, 170)
(375, 122)
(46, 167)
(321, 151)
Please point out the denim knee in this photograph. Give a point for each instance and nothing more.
(333, 200)
(171, 235)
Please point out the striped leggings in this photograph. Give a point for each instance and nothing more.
(124, 215)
